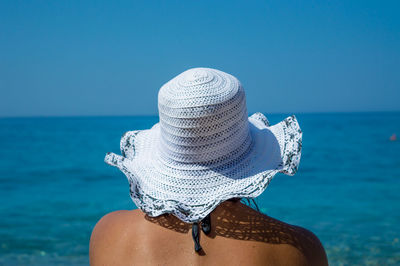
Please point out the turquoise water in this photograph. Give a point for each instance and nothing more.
(54, 186)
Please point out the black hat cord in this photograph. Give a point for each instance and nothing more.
(205, 227)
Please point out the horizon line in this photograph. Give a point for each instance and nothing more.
(156, 114)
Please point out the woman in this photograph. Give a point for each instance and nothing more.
(187, 175)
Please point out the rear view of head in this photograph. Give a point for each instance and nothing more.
(205, 149)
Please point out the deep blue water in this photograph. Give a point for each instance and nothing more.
(54, 186)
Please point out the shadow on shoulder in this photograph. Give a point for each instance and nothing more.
(234, 220)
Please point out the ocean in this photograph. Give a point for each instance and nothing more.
(54, 186)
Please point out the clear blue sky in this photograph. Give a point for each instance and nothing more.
(110, 58)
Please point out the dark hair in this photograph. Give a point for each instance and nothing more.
(249, 202)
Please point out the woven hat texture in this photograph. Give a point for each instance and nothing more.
(205, 149)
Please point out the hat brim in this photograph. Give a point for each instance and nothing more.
(192, 191)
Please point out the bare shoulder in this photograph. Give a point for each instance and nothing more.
(310, 246)
(300, 245)
(115, 222)
(110, 233)
(286, 244)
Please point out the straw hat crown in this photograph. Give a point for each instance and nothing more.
(203, 117)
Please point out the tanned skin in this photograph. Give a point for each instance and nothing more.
(239, 236)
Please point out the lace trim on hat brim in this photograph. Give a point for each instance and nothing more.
(165, 198)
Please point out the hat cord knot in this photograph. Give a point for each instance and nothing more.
(205, 227)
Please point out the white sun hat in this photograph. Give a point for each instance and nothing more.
(205, 149)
